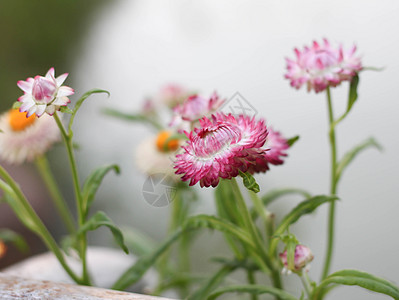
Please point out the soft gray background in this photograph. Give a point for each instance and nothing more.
(137, 46)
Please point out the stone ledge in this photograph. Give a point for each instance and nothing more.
(12, 287)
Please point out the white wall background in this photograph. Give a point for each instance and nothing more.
(137, 46)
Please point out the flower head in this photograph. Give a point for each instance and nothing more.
(153, 155)
(172, 95)
(303, 256)
(220, 147)
(25, 138)
(321, 66)
(195, 107)
(44, 94)
(276, 145)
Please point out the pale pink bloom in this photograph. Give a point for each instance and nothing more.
(173, 94)
(220, 147)
(321, 66)
(303, 256)
(24, 139)
(195, 107)
(277, 145)
(44, 94)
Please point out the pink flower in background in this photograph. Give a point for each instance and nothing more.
(303, 256)
(195, 107)
(173, 94)
(222, 145)
(321, 66)
(44, 94)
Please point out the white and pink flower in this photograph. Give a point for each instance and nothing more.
(302, 257)
(44, 94)
(195, 107)
(220, 147)
(26, 138)
(321, 66)
(173, 94)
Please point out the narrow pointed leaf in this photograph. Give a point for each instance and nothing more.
(361, 279)
(254, 290)
(92, 184)
(132, 117)
(350, 155)
(352, 92)
(101, 219)
(275, 194)
(293, 140)
(249, 182)
(303, 208)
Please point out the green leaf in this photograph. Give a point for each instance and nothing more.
(254, 290)
(66, 110)
(293, 140)
(92, 184)
(9, 236)
(212, 283)
(359, 278)
(350, 155)
(16, 105)
(352, 92)
(101, 219)
(132, 117)
(134, 273)
(249, 182)
(138, 242)
(80, 102)
(303, 208)
(376, 69)
(277, 193)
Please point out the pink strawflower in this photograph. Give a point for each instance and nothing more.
(44, 94)
(195, 107)
(321, 66)
(220, 147)
(303, 256)
(277, 145)
(173, 94)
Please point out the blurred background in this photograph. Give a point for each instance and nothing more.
(132, 48)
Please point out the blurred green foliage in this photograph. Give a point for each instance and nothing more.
(36, 35)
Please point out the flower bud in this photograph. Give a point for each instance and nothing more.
(302, 257)
(43, 89)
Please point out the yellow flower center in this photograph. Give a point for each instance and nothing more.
(162, 146)
(3, 249)
(18, 120)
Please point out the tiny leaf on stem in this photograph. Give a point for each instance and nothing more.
(293, 140)
(249, 182)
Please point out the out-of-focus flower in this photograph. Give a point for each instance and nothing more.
(153, 156)
(220, 147)
(44, 94)
(321, 66)
(173, 94)
(3, 249)
(277, 145)
(195, 107)
(25, 138)
(303, 256)
(148, 107)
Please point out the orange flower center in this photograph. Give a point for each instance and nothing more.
(162, 146)
(19, 121)
(3, 249)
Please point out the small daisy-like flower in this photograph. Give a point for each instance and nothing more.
(321, 66)
(25, 138)
(303, 256)
(3, 249)
(195, 107)
(220, 147)
(153, 155)
(44, 94)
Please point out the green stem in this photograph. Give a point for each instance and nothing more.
(67, 137)
(12, 188)
(250, 226)
(333, 189)
(264, 214)
(59, 202)
(306, 284)
(252, 280)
